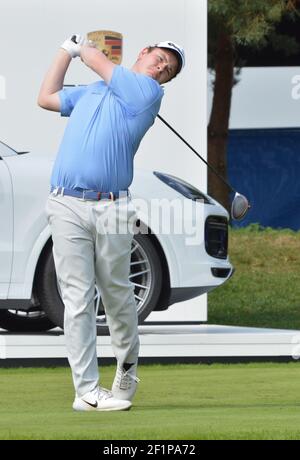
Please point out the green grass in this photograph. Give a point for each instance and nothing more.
(240, 401)
(265, 289)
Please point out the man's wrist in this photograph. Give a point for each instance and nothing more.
(65, 54)
(88, 54)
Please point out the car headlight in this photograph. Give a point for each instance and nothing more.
(186, 189)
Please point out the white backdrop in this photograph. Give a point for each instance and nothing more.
(32, 30)
(265, 97)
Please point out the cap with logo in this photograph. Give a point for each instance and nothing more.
(177, 49)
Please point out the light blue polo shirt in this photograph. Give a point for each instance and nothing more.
(107, 123)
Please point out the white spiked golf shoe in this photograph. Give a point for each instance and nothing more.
(125, 382)
(100, 399)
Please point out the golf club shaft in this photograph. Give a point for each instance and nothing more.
(196, 153)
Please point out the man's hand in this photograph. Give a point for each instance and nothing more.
(73, 45)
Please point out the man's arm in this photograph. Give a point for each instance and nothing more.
(53, 82)
(97, 61)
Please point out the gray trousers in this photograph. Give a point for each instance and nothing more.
(92, 243)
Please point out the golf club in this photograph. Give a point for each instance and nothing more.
(240, 204)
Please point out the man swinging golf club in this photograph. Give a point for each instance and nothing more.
(89, 188)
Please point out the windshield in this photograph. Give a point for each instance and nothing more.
(6, 151)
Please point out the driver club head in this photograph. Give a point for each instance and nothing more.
(239, 207)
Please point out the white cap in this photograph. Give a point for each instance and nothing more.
(178, 50)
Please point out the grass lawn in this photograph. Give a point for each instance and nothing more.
(265, 289)
(237, 401)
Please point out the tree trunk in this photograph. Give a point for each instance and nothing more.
(219, 119)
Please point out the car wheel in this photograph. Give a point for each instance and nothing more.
(32, 320)
(145, 274)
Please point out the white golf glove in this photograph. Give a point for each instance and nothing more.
(73, 45)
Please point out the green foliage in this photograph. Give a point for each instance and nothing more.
(283, 43)
(247, 21)
(250, 22)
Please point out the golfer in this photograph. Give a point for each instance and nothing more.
(89, 200)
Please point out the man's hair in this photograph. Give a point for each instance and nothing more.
(152, 48)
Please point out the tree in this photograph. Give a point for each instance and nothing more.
(232, 23)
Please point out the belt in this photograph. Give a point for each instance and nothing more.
(89, 194)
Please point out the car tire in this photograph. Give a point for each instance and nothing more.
(32, 320)
(49, 295)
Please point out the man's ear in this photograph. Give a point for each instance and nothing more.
(143, 52)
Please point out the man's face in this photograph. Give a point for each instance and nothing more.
(159, 64)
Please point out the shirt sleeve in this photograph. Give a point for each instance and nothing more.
(69, 98)
(136, 92)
